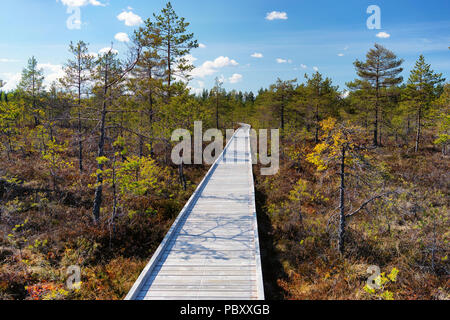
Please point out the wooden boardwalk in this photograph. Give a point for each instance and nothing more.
(212, 250)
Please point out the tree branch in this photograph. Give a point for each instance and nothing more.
(369, 201)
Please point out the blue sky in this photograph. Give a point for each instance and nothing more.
(301, 37)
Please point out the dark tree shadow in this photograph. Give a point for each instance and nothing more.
(271, 266)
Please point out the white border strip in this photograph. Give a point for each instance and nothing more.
(136, 288)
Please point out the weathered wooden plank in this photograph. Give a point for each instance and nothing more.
(197, 294)
(209, 297)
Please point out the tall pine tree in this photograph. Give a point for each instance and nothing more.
(77, 75)
(176, 43)
(421, 90)
(380, 70)
(32, 85)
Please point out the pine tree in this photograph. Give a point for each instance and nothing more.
(32, 85)
(282, 92)
(176, 43)
(77, 74)
(146, 80)
(217, 92)
(421, 90)
(321, 96)
(343, 152)
(443, 117)
(110, 73)
(380, 70)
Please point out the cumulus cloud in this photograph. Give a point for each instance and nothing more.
(6, 60)
(383, 35)
(189, 58)
(122, 37)
(304, 66)
(279, 60)
(276, 15)
(315, 69)
(106, 50)
(199, 89)
(130, 18)
(52, 72)
(211, 67)
(257, 55)
(340, 54)
(10, 80)
(82, 3)
(235, 78)
(201, 45)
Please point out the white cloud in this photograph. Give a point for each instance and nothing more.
(340, 54)
(10, 80)
(130, 18)
(210, 67)
(345, 94)
(279, 60)
(257, 55)
(81, 3)
(5, 60)
(190, 58)
(202, 45)
(235, 78)
(383, 35)
(276, 15)
(315, 69)
(304, 66)
(106, 50)
(346, 48)
(52, 72)
(122, 37)
(199, 89)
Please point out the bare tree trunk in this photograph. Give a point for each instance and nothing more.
(182, 177)
(380, 143)
(80, 143)
(112, 226)
(419, 124)
(316, 138)
(101, 145)
(217, 109)
(342, 204)
(141, 141)
(169, 68)
(150, 97)
(375, 130)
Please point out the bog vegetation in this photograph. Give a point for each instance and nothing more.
(86, 177)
